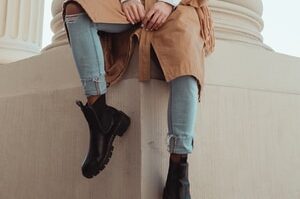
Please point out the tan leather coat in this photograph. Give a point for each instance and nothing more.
(181, 44)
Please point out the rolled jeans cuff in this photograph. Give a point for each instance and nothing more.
(180, 144)
(94, 85)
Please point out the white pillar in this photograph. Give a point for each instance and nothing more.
(238, 20)
(21, 24)
(59, 38)
(234, 20)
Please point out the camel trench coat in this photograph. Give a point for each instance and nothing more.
(180, 45)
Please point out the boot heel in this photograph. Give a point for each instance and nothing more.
(124, 124)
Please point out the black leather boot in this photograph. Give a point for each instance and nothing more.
(105, 122)
(177, 185)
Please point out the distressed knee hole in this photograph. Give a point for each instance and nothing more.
(71, 18)
(73, 8)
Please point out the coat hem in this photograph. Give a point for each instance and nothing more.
(168, 78)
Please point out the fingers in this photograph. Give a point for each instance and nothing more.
(155, 21)
(152, 21)
(141, 12)
(134, 11)
(157, 16)
(129, 16)
(160, 21)
(148, 17)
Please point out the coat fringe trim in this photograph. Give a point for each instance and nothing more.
(207, 29)
(206, 23)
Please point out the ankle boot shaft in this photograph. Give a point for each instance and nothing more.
(100, 103)
(97, 116)
(177, 185)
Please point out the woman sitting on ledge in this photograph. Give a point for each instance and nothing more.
(180, 33)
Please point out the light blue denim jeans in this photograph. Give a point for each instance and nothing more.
(88, 56)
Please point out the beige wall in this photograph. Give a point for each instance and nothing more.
(247, 142)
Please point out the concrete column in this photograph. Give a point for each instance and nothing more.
(234, 20)
(60, 37)
(238, 20)
(21, 23)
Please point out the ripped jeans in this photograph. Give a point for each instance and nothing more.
(88, 56)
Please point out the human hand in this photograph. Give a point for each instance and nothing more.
(134, 11)
(157, 15)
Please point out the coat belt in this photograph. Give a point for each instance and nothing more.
(144, 48)
(144, 55)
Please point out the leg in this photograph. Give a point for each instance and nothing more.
(182, 109)
(105, 122)
(87, 49)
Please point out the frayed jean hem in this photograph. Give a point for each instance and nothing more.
(180, 144)
(94, 86)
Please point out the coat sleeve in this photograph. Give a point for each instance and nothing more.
(194, 3)
(122, 1)
(174, 3)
